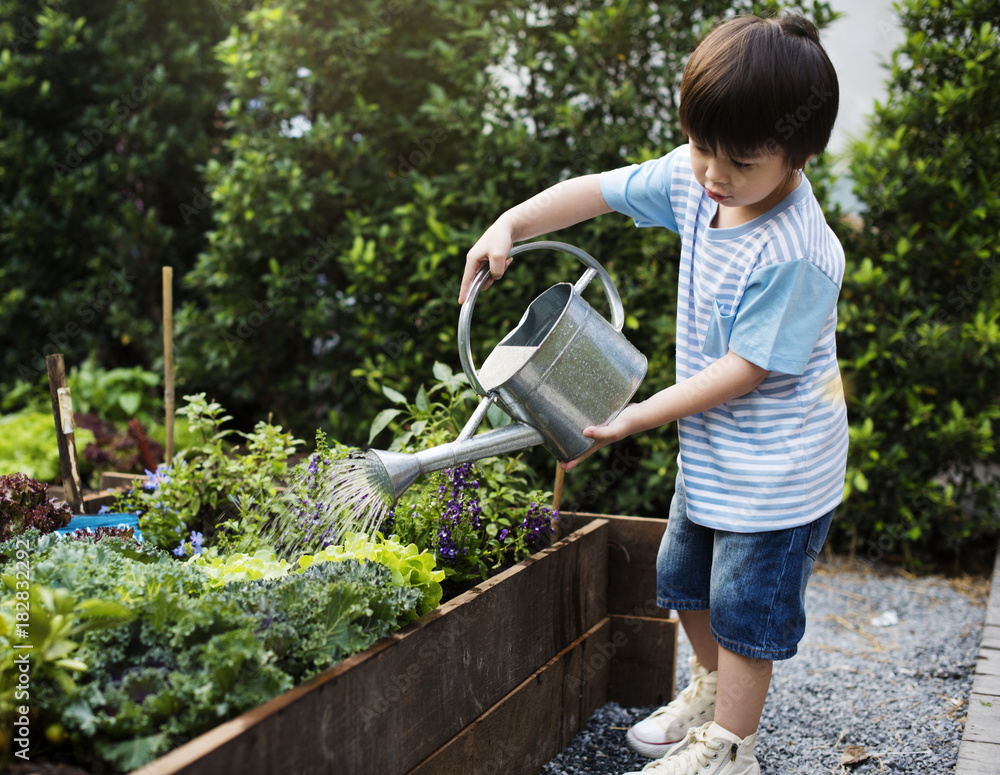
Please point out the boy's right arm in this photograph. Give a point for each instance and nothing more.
(562, 205)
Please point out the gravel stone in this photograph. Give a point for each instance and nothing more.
(900, 689)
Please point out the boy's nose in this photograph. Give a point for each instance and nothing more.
(716, 173)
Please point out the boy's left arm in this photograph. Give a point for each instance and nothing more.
(729, 377)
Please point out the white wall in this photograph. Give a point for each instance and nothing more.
(858, 43)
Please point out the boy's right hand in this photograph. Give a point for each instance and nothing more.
(491, 249)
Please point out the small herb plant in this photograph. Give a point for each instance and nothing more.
(205, 483)
(478, 516)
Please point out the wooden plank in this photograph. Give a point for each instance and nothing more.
(975, 758)
(536, 721)
(644, 661)
(991, 637)
(988, 662)
(979, 750)
(987, 685)
(633, 543)
(92, 501)
(982, 722)
(62, 410)
(421, 687)
(113, 479)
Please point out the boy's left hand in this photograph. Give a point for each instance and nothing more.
(616, 430)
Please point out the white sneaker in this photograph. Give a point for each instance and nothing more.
(708, 750)
(666, 727)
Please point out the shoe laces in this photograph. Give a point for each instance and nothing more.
(700, 754)
(690, 694)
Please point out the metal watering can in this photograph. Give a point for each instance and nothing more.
(562, 368)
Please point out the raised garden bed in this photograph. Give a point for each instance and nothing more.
(502, 676)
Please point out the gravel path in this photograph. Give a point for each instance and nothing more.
(886, 663)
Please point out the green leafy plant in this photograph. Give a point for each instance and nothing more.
(109, 112)
(409, 566)
(203, 486)
(43, 627)
(117, 395)
(476, 517)
(28, 443)
(175, 656)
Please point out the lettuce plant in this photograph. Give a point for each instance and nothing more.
(24, 505)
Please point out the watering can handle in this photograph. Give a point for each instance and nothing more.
(594, 269)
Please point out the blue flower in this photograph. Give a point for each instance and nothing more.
(179, 551)
(104, 510)
(155, 478)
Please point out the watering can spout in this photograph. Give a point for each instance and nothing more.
(394, 472)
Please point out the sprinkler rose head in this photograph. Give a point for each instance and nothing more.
(391, 473)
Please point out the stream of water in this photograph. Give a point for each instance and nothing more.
(318, 509)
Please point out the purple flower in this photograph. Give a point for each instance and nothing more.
(179, 551)
(104, 510)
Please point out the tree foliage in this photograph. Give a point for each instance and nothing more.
(920, 310)
(108, 109)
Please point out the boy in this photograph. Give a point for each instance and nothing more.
(758, 399)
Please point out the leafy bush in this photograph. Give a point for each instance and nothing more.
(25, 506)
(28, 443)
(203, 486)
(334, 262)
(349, 185)
(116, 395)
(920, 309)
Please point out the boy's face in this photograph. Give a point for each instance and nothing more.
(755, 184)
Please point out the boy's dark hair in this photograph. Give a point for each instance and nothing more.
(755, 84)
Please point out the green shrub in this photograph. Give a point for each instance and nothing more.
(108, 111)
(28, 443)
(920, 309)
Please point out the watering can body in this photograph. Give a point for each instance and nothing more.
(577, 369)
(582, 371)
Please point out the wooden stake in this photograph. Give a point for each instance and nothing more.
(168, 357)
(62, 409)
(557, 488)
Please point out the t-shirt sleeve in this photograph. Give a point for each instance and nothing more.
(782, 314)
(642, 191)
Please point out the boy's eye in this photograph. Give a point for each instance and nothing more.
(742, 164)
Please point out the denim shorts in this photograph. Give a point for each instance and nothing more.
(754, 584)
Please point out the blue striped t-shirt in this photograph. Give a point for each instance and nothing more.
(776, 457)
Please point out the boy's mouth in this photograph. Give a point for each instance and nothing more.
(716, 197)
